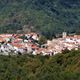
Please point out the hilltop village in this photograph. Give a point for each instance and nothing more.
(13, 44)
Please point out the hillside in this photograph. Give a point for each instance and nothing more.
(45, 16)
(27, 67)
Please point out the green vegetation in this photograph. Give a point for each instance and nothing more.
(42, 40)
(28, 67)
(46, 16)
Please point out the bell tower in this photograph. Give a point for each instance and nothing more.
(64, 35)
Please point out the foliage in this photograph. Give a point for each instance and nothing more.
(42, 40)
(46, 16)
(29, 67)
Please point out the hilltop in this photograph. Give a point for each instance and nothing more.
(45, 16)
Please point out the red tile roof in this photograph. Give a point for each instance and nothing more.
(18, 45)
(17, 40)
(2, 39)
(75, 36)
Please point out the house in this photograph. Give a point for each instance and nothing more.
(18, 48)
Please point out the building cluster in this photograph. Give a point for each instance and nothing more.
(12, 44)
(61, 44)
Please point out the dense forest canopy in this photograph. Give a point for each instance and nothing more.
(46, 16)
(64, 66)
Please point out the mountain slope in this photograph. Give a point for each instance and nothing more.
(46, 16)
(27, 67)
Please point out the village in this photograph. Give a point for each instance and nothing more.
(13, 44)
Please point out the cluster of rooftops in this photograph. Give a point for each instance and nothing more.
(13, 44)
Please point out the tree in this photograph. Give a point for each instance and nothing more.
(42, 40)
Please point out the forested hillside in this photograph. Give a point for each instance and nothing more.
(46, 16)
(27, 67)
